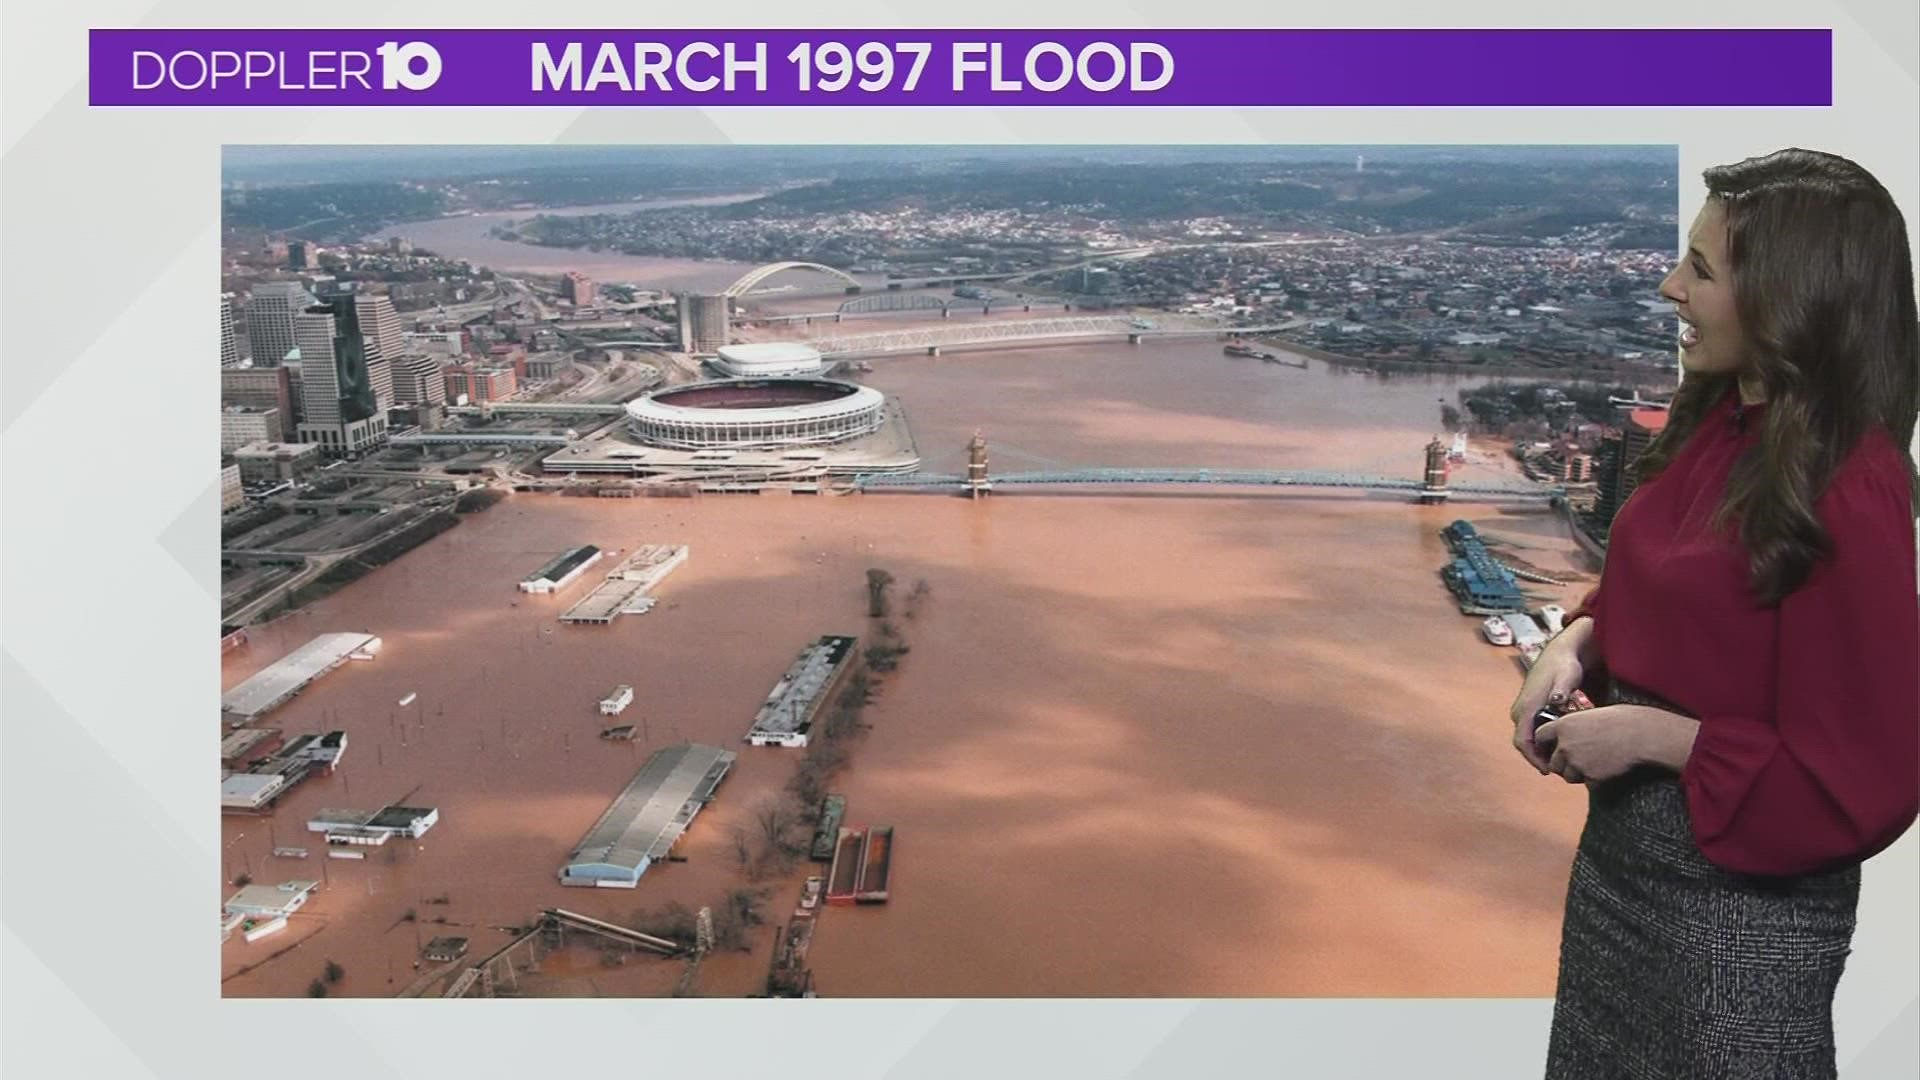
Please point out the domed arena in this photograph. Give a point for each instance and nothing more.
(770, 359)
(755, 414)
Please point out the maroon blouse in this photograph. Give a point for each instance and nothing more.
(1808, 755)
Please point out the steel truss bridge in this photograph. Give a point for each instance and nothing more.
(1060, 328)
(1307, 478)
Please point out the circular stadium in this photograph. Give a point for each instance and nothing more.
(770, 359)
(755, 414)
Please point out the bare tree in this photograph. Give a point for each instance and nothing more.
(917, 597)
(877, 582)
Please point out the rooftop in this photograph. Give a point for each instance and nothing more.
(284, 677)
(646, 818)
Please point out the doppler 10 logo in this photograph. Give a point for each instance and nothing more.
(413, 65)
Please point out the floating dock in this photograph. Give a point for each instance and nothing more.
(626, 590)
(843, 881)
(876, 866)
(833, 811)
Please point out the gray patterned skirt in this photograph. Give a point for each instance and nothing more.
(1672, 967)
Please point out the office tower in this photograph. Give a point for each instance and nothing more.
(271, 308)
(341, 410)
(578, 288)
(229, 344)
(385, 343)
(419, 380)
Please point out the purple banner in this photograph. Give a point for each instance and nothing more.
(573, 68)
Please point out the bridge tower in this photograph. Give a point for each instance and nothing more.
(978, 483)
(1433, 488)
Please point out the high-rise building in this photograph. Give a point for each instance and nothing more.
(341, 410)
(1641, 426)
(229, 344)
(302, 255)
(703, 322)
(385, 343)
(271, 308)
(380, 324)
(419, 380)
(578, 288)
(296, 390)
(1615, 464)
(259, 388)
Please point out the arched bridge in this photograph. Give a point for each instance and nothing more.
(761, 273)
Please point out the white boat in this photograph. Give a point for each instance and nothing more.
(408, 700)
(1523, 629)
(1496, 630)
(1555, 618)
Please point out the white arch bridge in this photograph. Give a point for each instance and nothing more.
(758, 274)
(1305, 478)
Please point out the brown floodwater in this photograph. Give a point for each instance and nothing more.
(1160, 743)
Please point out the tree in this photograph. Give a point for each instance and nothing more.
(334, 971)
(917, 597)
(316, 989)
(877, 582)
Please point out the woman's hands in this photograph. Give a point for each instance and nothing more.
(1588, 743)
(1602, 743)
(1553, 681)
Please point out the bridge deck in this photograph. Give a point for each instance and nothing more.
(1228, 477)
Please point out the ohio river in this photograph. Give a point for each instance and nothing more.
(1170, 743)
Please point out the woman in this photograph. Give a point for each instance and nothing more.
(1753, 644)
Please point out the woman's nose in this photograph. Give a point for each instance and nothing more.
(1670, 287)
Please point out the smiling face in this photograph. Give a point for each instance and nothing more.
(1701, 288)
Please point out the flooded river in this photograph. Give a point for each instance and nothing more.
(1161, 743)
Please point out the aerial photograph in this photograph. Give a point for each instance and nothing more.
(914, 571)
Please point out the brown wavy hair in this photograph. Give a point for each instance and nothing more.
(1823, 286)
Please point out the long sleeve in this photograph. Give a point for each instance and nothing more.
(1834, 775)
(1589, 607)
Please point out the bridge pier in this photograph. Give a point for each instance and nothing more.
(837, 317)
(978, 483)
(933, 350)
(946, 313)
(1433, 484)
(1133, 339)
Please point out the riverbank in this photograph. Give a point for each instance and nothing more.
(1634, 376)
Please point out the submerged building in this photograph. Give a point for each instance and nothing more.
(648, 817)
